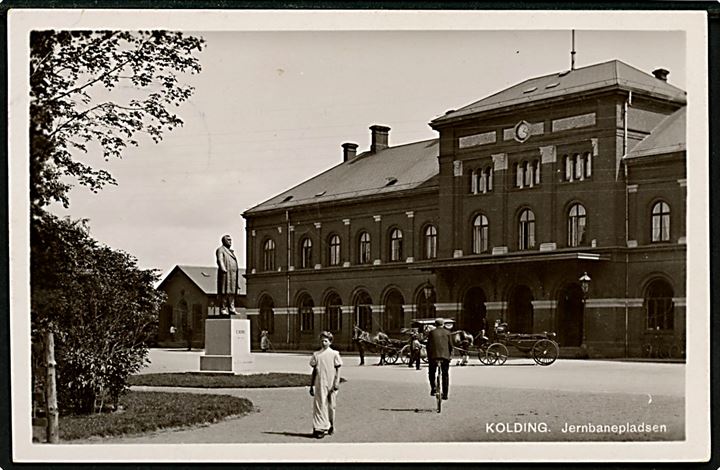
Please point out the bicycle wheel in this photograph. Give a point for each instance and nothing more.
(438, 387)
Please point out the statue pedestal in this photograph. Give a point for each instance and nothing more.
(227, 345)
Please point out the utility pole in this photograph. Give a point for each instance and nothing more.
(51, 408)
(572, 52)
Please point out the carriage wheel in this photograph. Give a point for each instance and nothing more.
(391, 356)
(545, 352)
(496, 354)
(405, 354)
(484, 358)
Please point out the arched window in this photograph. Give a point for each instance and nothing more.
(661, 222)
(396, 251)
(473, 182)
(536, 171)
(305, 310)
(430, 242)
(576, 225)
(269, 255)
(333, 313)
(267, 315)
(334, 247)
(480, 234)
(659, 307)
(363, 311)
(364, 248)
(489, 178)
(526, 230)
(393, 317)
(306, 253)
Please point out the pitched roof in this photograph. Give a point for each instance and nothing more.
(668, 136)
(612, 74)
(390, 170)
(205, 277)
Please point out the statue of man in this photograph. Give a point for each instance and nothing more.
(227, 279)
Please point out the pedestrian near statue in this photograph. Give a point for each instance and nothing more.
(227, 278)
(439, 347)
(264, 341)
(324, 386)
(173, 330)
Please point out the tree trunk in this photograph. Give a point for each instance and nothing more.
(53, 433)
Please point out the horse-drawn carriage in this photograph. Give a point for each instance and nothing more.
(494, 351)
(388, 348)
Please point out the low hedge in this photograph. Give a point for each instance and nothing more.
(221, 380)
(142, 412)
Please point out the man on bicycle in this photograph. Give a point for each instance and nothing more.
(439, 347)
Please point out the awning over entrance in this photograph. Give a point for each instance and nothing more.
(512, 258)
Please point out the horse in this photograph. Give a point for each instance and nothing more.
(375, 343)
(462, 340)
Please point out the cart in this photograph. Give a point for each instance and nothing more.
(542, 347)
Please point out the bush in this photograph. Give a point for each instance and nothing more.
(101, 307)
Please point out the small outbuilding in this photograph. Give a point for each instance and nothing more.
(191, 298)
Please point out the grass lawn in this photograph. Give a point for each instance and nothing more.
(221, 380)
(143, 412)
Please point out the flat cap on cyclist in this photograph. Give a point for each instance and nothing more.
(439, 322)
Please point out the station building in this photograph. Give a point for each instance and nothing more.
(577, 174)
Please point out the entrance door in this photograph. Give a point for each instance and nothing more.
(520, 310)
(570, 316)
(474, 314)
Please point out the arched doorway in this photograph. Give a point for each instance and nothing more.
(394, 316)
(659, 306)
(333, 313)
(570, 316)
(520, 310)
(267, 314)
(425, 305)
(307, 316)
(363, 311)
(474, 313)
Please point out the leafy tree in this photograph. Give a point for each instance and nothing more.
(102, 308)
(94, 93)
(75, 106)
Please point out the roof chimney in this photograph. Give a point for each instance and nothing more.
(349, 151)
(661, 74)
(379, 138)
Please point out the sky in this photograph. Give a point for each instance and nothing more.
(272, 108)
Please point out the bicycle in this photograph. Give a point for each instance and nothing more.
(438, 384)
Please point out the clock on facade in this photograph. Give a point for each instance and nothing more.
(522, 131)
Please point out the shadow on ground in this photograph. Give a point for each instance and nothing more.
(413, 410)
(307, 435)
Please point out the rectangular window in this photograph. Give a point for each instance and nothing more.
(569, 168)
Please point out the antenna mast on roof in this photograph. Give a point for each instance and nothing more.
(572, 52)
